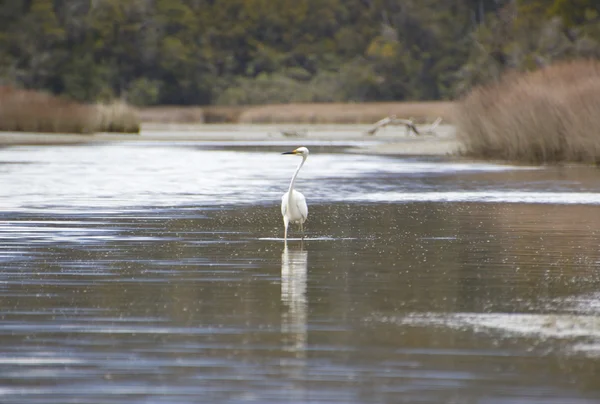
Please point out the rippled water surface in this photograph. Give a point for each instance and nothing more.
(156, 273)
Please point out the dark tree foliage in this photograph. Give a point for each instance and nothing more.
(264, 51)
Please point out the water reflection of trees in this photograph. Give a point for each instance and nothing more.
(530, 250)
(460, 256)
(414, 256)
(213, 275)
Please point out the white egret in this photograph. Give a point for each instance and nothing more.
(293, 203)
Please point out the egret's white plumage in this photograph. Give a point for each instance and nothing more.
(293, 203)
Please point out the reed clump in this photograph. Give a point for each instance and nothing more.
(117, 117)
(35, 111)
(546, 116)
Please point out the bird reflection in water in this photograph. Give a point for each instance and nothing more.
(294, 312)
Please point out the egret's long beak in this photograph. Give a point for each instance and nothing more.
(290, 152)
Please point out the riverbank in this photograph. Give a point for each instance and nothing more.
(307, 113)
(390, 140)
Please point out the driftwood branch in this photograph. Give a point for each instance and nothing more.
(410, 125)
(293, 133)
(430, 130)
(392, 120)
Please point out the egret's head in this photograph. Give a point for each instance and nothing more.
(300, 151)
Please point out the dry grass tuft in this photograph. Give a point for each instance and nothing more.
(117, 117)
(33, 111)
(550, 115)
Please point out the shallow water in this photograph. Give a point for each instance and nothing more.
(156, 273)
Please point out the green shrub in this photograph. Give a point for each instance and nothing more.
(354, 82)
(143, 92)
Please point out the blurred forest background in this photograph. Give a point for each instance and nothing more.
(245, 52)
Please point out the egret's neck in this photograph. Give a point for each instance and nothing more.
(295, 175)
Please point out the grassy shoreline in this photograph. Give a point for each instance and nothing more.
(547, 116)
(391, 141)
(309, 113)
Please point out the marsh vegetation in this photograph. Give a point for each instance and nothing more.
(550, 115)
(34, 111)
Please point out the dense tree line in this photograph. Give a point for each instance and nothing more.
(273, 51)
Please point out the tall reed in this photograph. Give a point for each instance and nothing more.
(117, 117)
(550, 115)
(34, 111)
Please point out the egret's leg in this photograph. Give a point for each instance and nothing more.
(285, 225)
(302, 229)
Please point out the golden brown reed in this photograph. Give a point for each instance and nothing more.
(117, 117)
(172, 114)
(34, 111)
(350, 113)
(549, 115)
(223, 114)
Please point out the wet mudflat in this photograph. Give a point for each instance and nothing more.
(157, 273)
